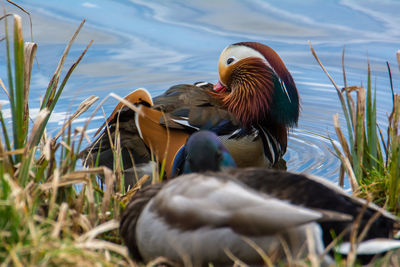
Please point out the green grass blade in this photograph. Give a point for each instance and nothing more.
(5, 133)
(65, 80)
(51, 89)
(19, 68)
(9, 68)
(373, 141)
(394, 162)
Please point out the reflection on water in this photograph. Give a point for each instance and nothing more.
(156, 44)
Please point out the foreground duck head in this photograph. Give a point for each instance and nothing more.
(202, 152)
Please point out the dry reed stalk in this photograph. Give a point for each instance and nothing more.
(312, 256)
(352, 255)
(35, 132)
(4, 88)
(29, 52)
(118, 168)
(342, 139)
(109, 177)
(286, 251)
(161, 261)
(398, 58)
(360, 129)
(267, 260)
(100, 229)
(236, 260)
(62, 215)
(345, 160)
(127, 197)
(83, 107)
(56, 76)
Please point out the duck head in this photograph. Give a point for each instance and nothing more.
(202, 152)
(255, 85)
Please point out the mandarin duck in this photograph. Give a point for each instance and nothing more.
(200, 217)
(251, 109)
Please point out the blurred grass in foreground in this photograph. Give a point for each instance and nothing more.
(371, 161)
(44, 220)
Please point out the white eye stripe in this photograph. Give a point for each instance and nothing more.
(238, 53)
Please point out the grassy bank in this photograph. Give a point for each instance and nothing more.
(45, 220)
(370, 159)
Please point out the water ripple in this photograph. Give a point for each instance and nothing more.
(311, 153)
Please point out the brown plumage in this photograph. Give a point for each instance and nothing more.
(251, 91)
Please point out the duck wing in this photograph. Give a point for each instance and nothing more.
(192, 107)
(195, 201)
(318, 193)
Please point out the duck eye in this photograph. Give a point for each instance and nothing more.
(229, 60)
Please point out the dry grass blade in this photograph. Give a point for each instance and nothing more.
(343, 69)
(14, 152)
(30, 52)
(398, 58)
(236, 260)
(341, 176)
(331, 245)
(102, 228)
(360, 131)
(127, 197)
(339, 93)
(347, 166)
(54, 187)
(109, 177)
(350, 101)
(36, 129)
(83, 107)
(341, 137)
(368, 225)
(73, 178)
(90, 119)
(4, 88)
(311, 248)
(24, 10)
(352, 255)
(161, 261)
(61, 220)
(56, 76)
(97, 244)
(127, 103)
(267, 260)
(118, 168)
(322, 66)
(15, 259)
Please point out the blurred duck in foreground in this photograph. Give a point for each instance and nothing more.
(251, 109)
(226, 215)
(203, 151)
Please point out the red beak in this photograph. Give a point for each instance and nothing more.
(219, 87)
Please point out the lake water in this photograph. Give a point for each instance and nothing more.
(156, 44)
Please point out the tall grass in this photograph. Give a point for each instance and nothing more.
(371, 161)
(44, 220)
